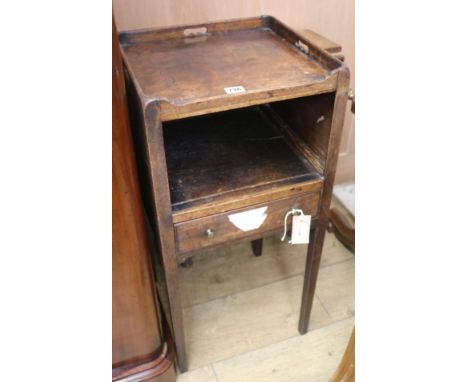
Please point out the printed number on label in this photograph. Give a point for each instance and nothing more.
(234, 90)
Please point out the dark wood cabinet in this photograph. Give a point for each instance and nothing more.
(236, 123)
(141, 348)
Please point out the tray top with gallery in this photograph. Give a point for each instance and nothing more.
(194, 70)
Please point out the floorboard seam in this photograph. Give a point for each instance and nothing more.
(213, 363)
(263, 285)
(338, 262)
(243, 291)
(214, 372)
(323, 306)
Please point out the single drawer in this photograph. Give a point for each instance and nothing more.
(229, 226)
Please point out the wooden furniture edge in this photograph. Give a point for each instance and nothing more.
(183, 256)
(136, 332)
(346, 369)
(295, 141)
(304, 44)
(321, 41)
(154, 366)
(317, 42)
(177, 31)
(317, 235)
(340, 224)
(181, 229)
(244, 201)
(171, 111)
(162, 212)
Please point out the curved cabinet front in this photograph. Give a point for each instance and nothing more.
(141, 348)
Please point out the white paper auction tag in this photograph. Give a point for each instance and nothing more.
(300, 229)
(234, 89)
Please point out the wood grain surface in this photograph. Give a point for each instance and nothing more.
(188, 75)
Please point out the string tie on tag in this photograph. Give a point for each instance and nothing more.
(294, 211)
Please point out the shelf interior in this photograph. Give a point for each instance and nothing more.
(217, 155)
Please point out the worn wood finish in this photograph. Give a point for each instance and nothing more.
(203, 158)
(202, 166)
(246, 198)
(178, 72)
(192, 235)
(192, 30)
(308, 121)
(139, 348)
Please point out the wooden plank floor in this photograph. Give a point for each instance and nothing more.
(241, 314)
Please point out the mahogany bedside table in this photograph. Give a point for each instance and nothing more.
(237, 123)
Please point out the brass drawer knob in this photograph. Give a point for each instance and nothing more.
(210, 233)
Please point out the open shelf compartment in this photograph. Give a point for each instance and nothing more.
(230, 159)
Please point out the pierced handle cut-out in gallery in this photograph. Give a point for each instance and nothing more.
(189, 32)
(301, 46)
